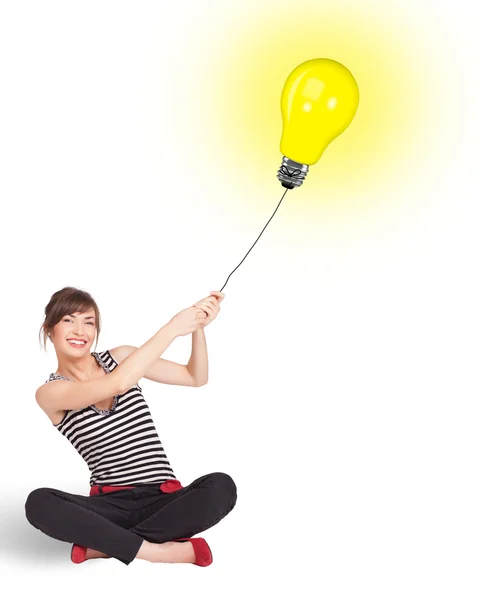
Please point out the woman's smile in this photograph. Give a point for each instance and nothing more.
(76, 344)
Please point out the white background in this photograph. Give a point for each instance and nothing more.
(342, 394)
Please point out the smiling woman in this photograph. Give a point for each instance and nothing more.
(62, 306)
(94, 400)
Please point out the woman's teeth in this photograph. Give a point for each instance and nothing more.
(76, 343)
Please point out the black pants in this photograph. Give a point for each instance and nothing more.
(116, 523)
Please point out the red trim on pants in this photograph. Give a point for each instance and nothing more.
(170, 486)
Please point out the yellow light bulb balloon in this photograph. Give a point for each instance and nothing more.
(319, 100)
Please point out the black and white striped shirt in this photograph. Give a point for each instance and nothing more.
(120, 445)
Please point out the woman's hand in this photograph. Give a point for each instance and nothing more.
(197, 316)
(211, 306)
(187, 321)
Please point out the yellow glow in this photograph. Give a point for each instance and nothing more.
(243, 70)
(309, 127)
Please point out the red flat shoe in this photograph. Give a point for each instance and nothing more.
(203, 554)
(78, 554)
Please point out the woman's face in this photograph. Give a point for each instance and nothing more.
(78, 326)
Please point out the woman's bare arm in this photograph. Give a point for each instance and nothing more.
(73, 395)
(139, 362)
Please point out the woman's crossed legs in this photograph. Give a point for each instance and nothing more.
(135, 523)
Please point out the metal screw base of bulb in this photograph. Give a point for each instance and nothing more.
(292, 174)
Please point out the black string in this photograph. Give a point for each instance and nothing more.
(256, 239)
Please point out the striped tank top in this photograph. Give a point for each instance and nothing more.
(120, 445)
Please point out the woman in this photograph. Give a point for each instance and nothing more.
(136, 507)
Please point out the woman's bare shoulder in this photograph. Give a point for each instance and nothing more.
(41, 392)
(41, 396)
(121, 352)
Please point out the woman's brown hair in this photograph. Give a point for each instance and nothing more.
(67, 301)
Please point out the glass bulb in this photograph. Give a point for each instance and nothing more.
(318, 102)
